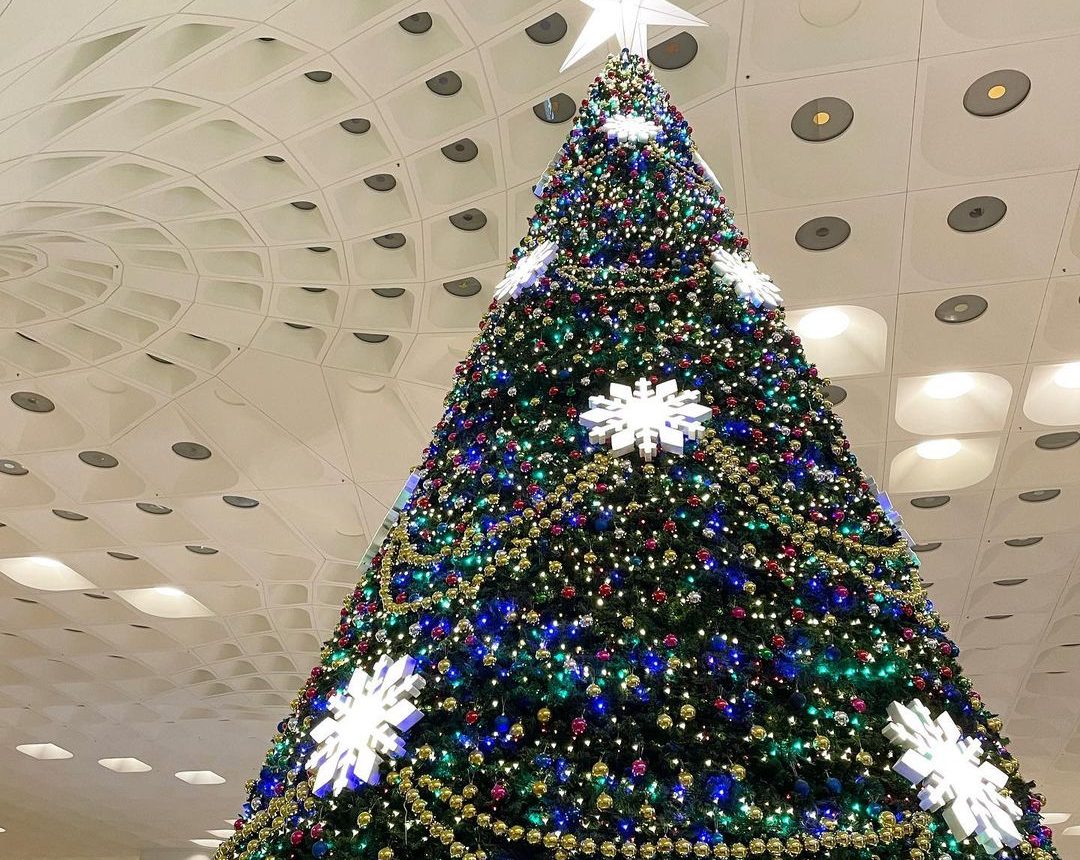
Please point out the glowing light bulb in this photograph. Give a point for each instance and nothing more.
(824, 323)
(1068, 376)
(938, 449)
(948, 386)
(169, 591)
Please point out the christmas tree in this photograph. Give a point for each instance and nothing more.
(642, 602)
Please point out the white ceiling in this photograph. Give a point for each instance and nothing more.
(150, 261)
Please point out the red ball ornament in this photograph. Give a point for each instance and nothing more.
(858, 705)
(605, 589)
(671, 640)
(568, 592)
(578, 725)
(639, 767)
(498, 792)
(471, 717)
(317, 830)
(778, 641)
(296, 837)
(738, 612)
(798, 614)
(659, 596)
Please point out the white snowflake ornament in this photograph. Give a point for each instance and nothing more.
(645, 418)
(628, 128)
(754, 286)
(953, 777)
(527, 272)
(364, 725)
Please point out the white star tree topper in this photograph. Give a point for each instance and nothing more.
(645, 418)
(953, 777)
(364, 725)
(750, 283)
(629, 22)
(527, 272)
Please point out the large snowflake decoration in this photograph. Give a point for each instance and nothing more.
(364, 724)
(953, 776)
(645, 418)
(528, 271)
(754, 286)
(631, 129)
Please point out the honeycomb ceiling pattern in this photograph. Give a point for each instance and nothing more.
(260, 230)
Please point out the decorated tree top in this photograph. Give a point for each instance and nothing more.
(643, 602)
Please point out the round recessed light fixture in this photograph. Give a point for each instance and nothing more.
(121, 556)
(948, 386)
(1011, 583)
(99, 459)
(201, 550)
(926, 503)
(1068, 376)
(274, 159)
(446, 84)
(153, 508)
(191, 450)
(927, 547)
(356, 125)
(390, 241)
(240, 501)
(314, 290)
(12, 467)
(303, 205)
(320, 249)
(1022, 542)
(834, 394)
(381, 182)
(827, 13)
(70, 516)
(461, 151)
(997, 92)
(463, 288)
(389, 292)
(417, 23)
(822, 119)
(821, 234)
(1039, 495)
(938, 449)
(977, 214)
(547, 31)
(824, 324)
(961, 309)
(320, 76)
(557, 109)
(674, 53)
(469, 220)
(1057, 441)
(298, 326)
(32, 401)
(371, 338)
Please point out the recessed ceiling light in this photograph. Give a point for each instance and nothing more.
(1001, 616)
(99, 459)
(674, 53)
(834, 394)
(948, 386)
(371, 338)
(389, 292)
(356, 125)
(320, 249)
(274, 159)
(547, 31)
(153, 508)
(822, 119)
(222, 834)
(997, 92)
(446, 84)
(44, 574)
(201, 550)
(926, 503)
(191, 450)
(381, 182)
(822, 234)
(240, 501)
(961, 309)
(125, 765)
(938, 449)
(469, 220)
(1057, 441)
(1039, 495)
(463, 288)
(320, 76)
(158, 359)
(32, 402)
(298, 326)
(1022, 542)
(1010, 583)
(416, 23)
(164, 602)
(976, 214)
(70, 516)
(1068, 376)
(827, 13)
(200, 777)
(303, 205)
(390, 241)
(121, 556)
(927, 547)
(44, 752)
(13, 467)
(824, 323)
(169, 591)
(93, 596)
(1071, 831)
(557, 109)
(1055, 817)
(461, 151)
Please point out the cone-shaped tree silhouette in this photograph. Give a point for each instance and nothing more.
(672, 621)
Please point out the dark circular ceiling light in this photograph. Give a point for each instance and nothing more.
(1039, 495)
(417, 23)
(381, 182)
(320, 76)
(927, 503)
(367, 337)
(674, 53)
(12, 467)
(240, 501)
(390, 241)
(834, 394)
(997, 92)
(463, 288)
(99, 459)
(547, 31)
(303, 205)
(356, 125)
(32, 401)
(191, 450)
(1057, 441)
(389, 292)
(446, 84)
(1022, 542)
(153, 508)
(976, 214)
(461, 151)
(469, 220)
(821, 234)
(70, 516)
(822, 119)
(961, 309)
